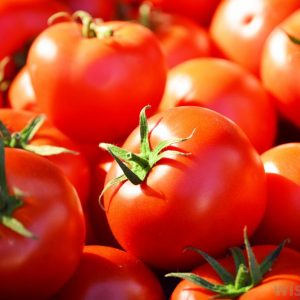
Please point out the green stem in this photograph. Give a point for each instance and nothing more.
(145, 10)
(242, 277)
(137, 166)
(88, 24)
(90, 28)
(21, 139)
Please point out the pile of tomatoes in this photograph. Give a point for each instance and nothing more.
(149, 150)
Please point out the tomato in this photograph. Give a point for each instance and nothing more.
(227, 88)
(240, 29)
(187, 200)
(74, 166)
(35, 268)
(180, 38)
(199, 10)
(282, 164)
(22, 20)
(109, 273)
(21, 95)
(280, 67)
(96, 77)
(281, 282)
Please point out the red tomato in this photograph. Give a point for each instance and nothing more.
(180, 38)
(280, 67)
(109, 273)
(282, 164)
(74, 166)
(96, 77)
(281, 282)
(225, 87)
(188, 200)
(37, 268)
(23, 20)
(239, 28)
(21, 95)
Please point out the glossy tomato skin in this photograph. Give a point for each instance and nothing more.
(186, 200)
(111, 274)
(282, 282)
(96, 77)
(282, 165)
(227, 88)
(181, 38)
(239, 28)
(21, 95)
(74, 166)
(23, 20)
(280, 67)
(37, 268)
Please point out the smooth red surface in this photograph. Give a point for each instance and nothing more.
(239, 28)
(280, 69)
(203, 200)
(281, 219)
(111, 274)
(227, 88)
(91, 88)
(51, 210)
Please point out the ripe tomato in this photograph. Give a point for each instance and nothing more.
(240, 28)
(282, 164)
(35, 268)
(96, 77)
(22, 20)
(109, 273)
(280, 67)
(203, 199)
(21, 95)
(180, 38)
(227, 88)
(74, 166)
(281, 282)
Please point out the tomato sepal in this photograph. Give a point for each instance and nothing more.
(9, 203)
(246, 277)
(20, 139)
(137, 166)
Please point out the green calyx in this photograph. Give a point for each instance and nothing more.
(90, 26)
(22, 138)
(248, 272)
(9, 203)
(136, 167)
